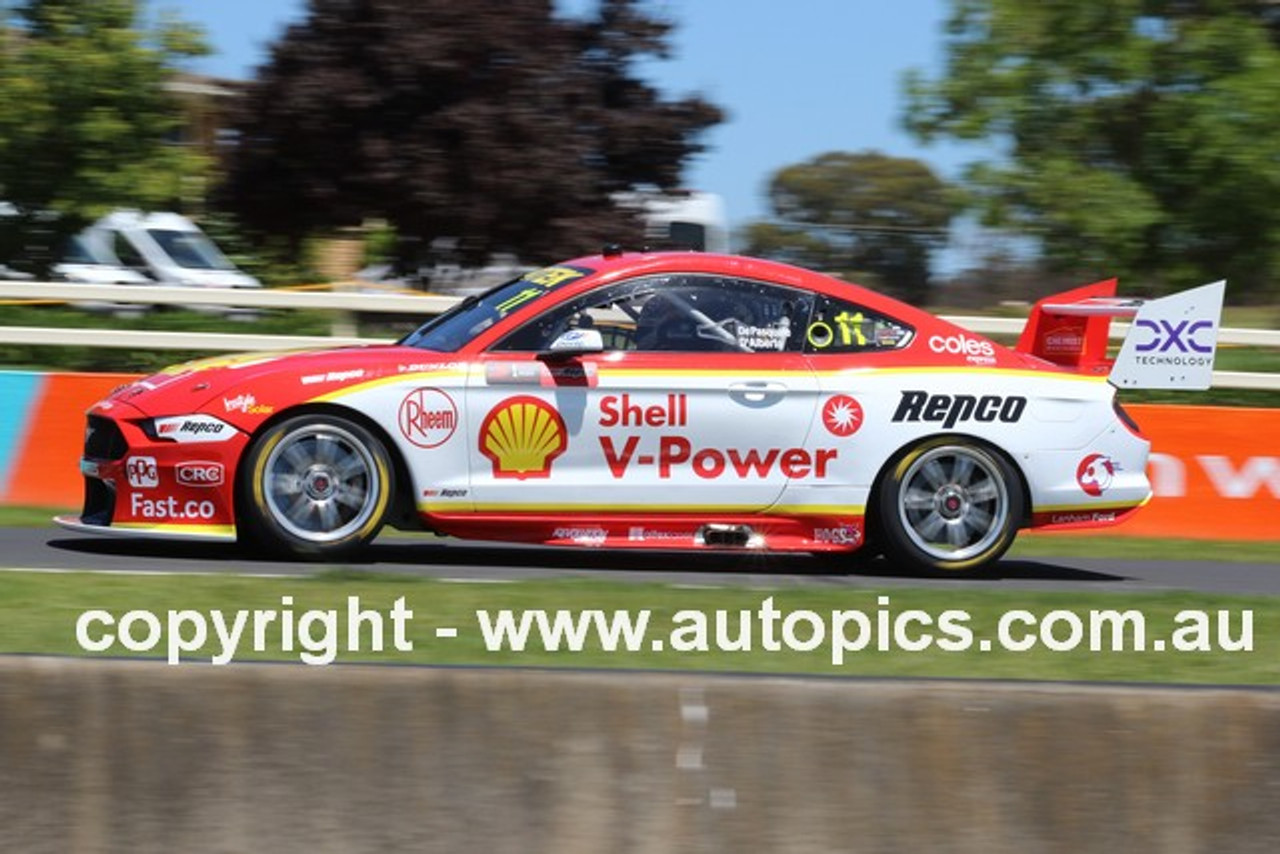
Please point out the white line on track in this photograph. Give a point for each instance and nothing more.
(49, 570)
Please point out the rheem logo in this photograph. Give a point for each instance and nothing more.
(428, 417)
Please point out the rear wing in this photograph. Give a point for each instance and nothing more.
(1170, 344)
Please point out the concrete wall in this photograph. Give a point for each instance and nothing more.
(141, 757)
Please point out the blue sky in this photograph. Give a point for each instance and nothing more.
(797, 78)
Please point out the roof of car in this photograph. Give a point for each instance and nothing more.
(625, 262)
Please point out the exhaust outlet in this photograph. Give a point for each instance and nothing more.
(728, 536)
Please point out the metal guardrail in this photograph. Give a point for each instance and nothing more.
(426, 305)
(341, 300)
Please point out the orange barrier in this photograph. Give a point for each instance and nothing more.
(43, 435)
(1215, 470)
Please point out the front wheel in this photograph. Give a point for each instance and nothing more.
(949, 505)
(315, 486)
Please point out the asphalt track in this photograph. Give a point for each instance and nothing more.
(55, 549)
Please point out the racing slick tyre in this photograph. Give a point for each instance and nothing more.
(949, 505)
(315, 486)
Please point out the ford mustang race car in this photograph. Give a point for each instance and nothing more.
(666, 400)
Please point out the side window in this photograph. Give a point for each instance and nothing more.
(678, 314)
(126, 253)
(843, 327)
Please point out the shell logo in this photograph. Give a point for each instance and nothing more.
(521, 436)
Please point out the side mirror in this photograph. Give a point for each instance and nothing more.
(574, 342)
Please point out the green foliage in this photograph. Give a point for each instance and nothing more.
(85, 123)
(866, 216)
(497, 126)
(1140, 136)
(269, 259)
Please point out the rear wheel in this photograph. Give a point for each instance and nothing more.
(315, 486)
(949, 505)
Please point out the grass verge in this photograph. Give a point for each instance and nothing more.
(39, 614)
(1084, 544)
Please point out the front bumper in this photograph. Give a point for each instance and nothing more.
(138, 483)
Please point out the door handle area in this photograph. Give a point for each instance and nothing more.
(757, 394)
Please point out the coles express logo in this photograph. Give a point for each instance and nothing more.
(962, 345)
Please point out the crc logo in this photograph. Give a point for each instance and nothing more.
(1167, 335)
(1095, 474)
(522, 436)
(142, 472)
(427, 417)
(200, 473)
(950, 409)
(961, 345)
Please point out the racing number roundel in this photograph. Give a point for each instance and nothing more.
(521, 436)
(842, 415)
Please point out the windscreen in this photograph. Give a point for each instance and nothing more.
(452, 330)
(191, 249)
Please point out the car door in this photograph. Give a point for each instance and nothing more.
(700, 401)
(856, 353)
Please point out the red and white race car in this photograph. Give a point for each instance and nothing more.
(658, 400)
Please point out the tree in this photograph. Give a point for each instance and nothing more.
(867, 216)
(494, 124)
(1139, 134)
(85, 123)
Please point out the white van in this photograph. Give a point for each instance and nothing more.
(92, 262)
(167, 247)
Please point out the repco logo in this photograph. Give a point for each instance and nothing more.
(951, 409)
(199, 473)
(961, 345)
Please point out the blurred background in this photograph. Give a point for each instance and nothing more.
(956, 153)
(962, 156)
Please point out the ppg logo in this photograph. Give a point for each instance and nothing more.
(142, 472)
(1181, 336)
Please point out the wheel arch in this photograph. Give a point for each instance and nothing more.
(403, 509)
(872, 510)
